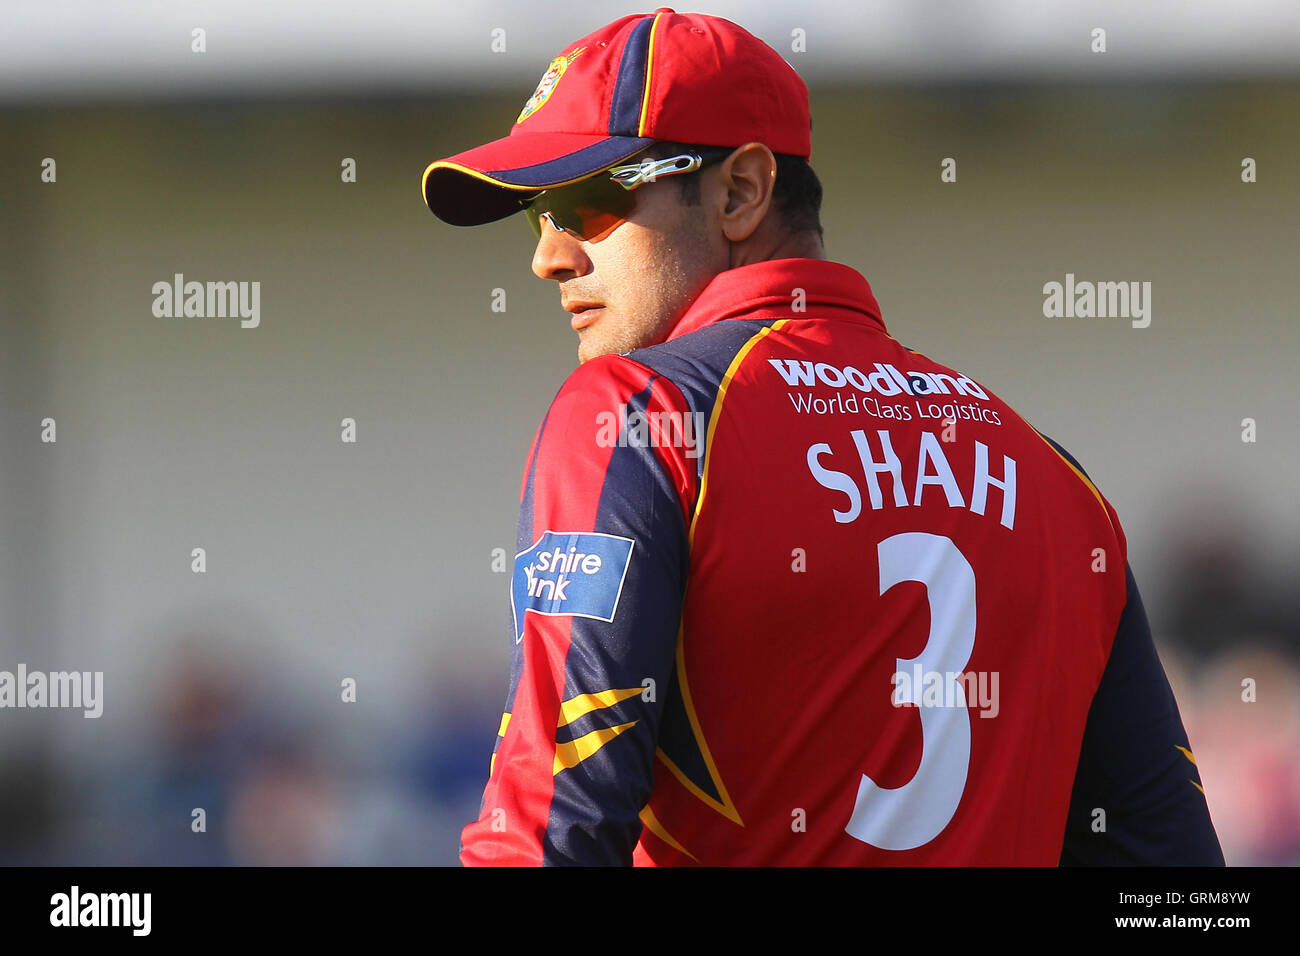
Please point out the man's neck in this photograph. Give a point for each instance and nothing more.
(806, 245)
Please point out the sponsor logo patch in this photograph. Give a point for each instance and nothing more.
(577, 573)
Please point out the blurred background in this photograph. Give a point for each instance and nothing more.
(375, 560)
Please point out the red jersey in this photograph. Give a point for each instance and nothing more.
(789, 592)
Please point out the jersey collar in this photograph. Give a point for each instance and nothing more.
(768, 290)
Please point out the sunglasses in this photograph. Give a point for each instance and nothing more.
(591, 209)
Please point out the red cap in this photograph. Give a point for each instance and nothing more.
(683, 77)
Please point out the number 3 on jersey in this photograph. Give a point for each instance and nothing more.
(915, 813)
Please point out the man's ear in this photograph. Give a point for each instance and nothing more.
(748, 175)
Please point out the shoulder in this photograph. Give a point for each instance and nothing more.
(685, 372)
(699, 363)
(609, 383)
(619, 426)
(1072, 465)
(704, 354)
(616, 401)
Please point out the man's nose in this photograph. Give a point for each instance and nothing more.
(559, 255)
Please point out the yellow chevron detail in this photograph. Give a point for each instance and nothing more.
(1188, 754)
(654, 826)
(574, 752)
(501, 732)
(583, 704)
(725, 807)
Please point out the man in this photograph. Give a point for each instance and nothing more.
(787, 592)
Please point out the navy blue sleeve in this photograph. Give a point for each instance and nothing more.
(1136, 765)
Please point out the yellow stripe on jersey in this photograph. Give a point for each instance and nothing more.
(1192, 757)
(732, 369)
(501, 732)
(654, 826)
(574, 752)
(583, 704)
(725, 806)
(1082, 477)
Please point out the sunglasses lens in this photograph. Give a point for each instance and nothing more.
(590, 223)
(590, 210)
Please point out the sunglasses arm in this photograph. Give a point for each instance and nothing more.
(648, 170)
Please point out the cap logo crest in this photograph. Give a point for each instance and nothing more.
(548, 82)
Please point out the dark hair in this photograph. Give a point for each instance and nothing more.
(796, 195)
